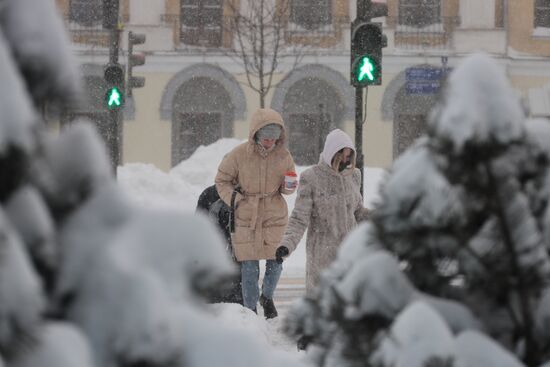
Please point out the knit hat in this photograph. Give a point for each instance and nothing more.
(270, 131)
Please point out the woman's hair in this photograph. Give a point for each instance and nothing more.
(337, 160)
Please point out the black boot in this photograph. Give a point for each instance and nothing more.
(269, 307)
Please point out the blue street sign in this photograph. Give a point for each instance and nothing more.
(425, 79)
(423, 87)
(425, 73)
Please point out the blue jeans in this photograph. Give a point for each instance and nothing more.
(250, 274)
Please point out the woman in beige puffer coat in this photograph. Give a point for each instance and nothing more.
(329, 204)
(257, 168)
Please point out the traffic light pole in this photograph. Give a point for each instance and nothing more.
(362, 8)
(115, 129)
(361, 14)
(359, 132)
(114, 45)
(115, 148)
(367, 41)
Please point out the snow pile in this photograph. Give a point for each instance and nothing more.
(180, 188)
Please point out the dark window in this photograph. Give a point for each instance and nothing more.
(201, 22)
(407, 129)
(542, 13)
(419, 13)
(193, 130)
(86, 12)
(311, 14)
(310, 127)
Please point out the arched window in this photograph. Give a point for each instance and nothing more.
(86, 12)
(201, 22)
(419, 13)
(312, 108)
(202, 113)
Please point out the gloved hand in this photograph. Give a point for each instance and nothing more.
(281, 252)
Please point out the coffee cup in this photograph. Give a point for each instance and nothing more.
(290, 180)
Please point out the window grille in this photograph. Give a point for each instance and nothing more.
(86, 12)
(542, 13)
(201, 22)
(311, 14)
(419, 13)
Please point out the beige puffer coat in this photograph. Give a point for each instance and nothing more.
(329, 204)
(262, 213)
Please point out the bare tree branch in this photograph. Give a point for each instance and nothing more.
(258, 43)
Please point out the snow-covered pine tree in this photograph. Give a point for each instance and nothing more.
(26, 252)
(464, 214)
(86, 278)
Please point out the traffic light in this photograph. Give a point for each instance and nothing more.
(367, 42)
(135, 59)
(114, 78)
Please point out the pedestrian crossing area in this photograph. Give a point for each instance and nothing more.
(288, 290)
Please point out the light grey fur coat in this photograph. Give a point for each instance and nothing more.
(329, 205)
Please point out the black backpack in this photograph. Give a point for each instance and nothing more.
(210, 203)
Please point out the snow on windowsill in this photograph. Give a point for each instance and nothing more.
(322, 28)
(431, 28)
(543, 32)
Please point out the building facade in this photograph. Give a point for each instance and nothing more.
(196, 91)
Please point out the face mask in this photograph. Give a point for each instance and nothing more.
(343, 165)
(271, 131)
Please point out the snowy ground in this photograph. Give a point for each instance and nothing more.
(180, 189)
(268, 331)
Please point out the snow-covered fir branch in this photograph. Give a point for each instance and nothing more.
(453, 270)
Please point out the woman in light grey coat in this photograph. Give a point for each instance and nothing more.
(329, 204)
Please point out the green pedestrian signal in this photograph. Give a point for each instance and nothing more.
(114, 98)
(366, 69)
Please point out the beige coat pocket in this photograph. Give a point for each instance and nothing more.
(242, 235)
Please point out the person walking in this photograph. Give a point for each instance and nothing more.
(329, 205)
(253, 175)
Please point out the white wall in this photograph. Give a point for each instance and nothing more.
(146, 11)
(539, 101)
(145, 17)
(477, 14)
(491, 41)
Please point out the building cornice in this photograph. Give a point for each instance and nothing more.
(173, 62)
